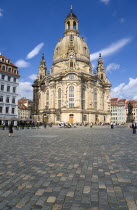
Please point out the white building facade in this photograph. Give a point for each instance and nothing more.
(8, 89)
(118, 110)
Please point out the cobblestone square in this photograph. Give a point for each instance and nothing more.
(69, 169)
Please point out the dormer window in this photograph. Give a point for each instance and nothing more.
(85, 50)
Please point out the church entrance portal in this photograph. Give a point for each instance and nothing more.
(71, 118)
(45, 119)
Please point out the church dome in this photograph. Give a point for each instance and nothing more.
(69, 42)
(71, 52)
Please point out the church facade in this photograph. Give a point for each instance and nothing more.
(72, 92)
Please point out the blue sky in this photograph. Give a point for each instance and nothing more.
(32, 27)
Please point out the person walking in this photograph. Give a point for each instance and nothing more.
(112, 125)
(10, 130)
(134, 126)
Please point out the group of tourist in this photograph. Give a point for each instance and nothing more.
(60, 125)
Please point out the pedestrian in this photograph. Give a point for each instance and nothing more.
(91, 125)
(45, 125)
(134, 126)
(10, 130)
(112, 125)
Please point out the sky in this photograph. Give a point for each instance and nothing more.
(29, 28)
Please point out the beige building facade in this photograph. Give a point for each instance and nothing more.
(71, 92)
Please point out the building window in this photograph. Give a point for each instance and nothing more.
(2, 87)
(9, 78)
(8, 88)
(3, 77)
(7, 99)
(7, 109)
(95, 99)
(59, 98)
(13, 100)
(85, 118)
(14, 89)
(9, 69)
(47, 99)
(3, 68)
(14, 79)
(74, 24)
(1, 108)
(71, 97)
(68, 25)
(83, 98)
(15, 71)
(13, 110)
(1, 98)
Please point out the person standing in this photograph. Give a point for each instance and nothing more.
(134, 126)
(10, 130)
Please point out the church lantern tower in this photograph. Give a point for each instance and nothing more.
(71, 23)
(101, 68)
(42, 68)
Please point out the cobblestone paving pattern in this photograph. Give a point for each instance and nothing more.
(69, 169)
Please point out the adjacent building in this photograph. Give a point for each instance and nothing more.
(9, 76)
(119, 110)
(25, 109)
(134, 110)
(72, 92)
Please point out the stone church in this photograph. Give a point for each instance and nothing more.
(72, 92)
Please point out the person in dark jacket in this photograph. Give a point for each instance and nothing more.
(10, 130)
(134, 126)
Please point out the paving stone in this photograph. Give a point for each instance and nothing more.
(69, 169)
(51, 199)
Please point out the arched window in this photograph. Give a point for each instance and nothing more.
(68, 25)
(95, 99)
(74, 24)
(59, 98)
(47, 99)
(71, 96)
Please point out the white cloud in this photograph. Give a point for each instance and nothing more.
(123, 90)
(33, 76)
(35, 51)
(114, 47)
(25, 90)
(1, 12)
(105, 1)
(122, 20)
(22, 64)
(112, 66)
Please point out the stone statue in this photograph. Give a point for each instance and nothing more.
(130, 107)
(130, 114)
